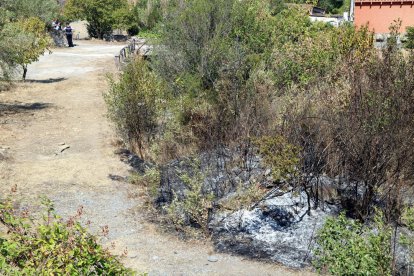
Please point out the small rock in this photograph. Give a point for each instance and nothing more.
(267, 172)
(62, 144)
(133, 256)
(155, 258)
(212, 259)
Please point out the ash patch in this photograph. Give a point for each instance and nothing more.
(279, 229)
(223, 171)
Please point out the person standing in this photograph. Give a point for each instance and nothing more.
(69, 31)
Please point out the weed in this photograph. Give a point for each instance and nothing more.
(194, 209)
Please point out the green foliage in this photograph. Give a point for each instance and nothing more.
(346, 247)
(281, 156)
(134, 103)
(23, 36)
(51, 246)
(408, 218)
(195, 207)
(244, 197)
(149, 35)
(29, 41)
(45, 10)
(147, 14)
(410, 38)
(210, 50)
(331, 6)
(232, 70)
(408, 238)
(150, 180)
(102, 15)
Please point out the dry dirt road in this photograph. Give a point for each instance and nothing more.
(62, 104)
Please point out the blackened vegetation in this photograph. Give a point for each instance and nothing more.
(368, 144)
(263, 124)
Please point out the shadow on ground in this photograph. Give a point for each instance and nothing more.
(18, 107)
(50, 80)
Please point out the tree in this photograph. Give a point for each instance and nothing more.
(30, 39)
(102, 15)
(45, 10)
(23, 36)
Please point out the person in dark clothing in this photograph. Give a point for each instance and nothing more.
(69, 31)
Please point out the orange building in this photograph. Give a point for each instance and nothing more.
(379, 14)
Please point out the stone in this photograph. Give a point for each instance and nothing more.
(213, 259)
(379, 37)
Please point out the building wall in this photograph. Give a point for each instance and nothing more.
(380, 16)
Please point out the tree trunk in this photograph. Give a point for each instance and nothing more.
(24, 72)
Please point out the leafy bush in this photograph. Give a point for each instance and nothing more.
(280, 156)
(408, 239)
(244, 197)
(346, 247)
(410, 38)
(133, 104)
(194, 209)
(232, 70)
(51, 246)
(150, 180)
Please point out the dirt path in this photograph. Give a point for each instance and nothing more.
(63, 106)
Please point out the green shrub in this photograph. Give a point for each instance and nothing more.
(409, 38)
(244, 197)
(281, 156)
(408, 239)
(150, 180)
(134, 103)
(346, 247)
(194, 209)
(51, 246)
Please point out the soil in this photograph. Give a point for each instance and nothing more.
(55, 140)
